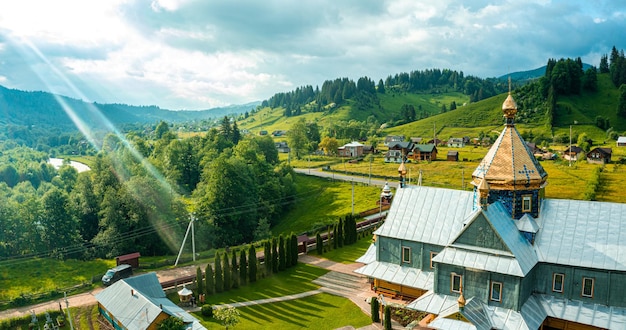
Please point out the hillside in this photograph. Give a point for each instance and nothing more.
(474, 119)
(42, 109)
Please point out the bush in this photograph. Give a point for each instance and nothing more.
(207, 310)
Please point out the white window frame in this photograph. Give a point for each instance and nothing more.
(529, 199)
(554, 277)
(406, 255)
(432, 255)
(452, 277)
(582, 292)
(491, 291)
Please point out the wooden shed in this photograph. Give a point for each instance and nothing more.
(453, 156)
(131, 259)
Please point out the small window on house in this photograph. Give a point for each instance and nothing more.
(456, 282)
(557, 282)
(432, 255)
(496, 291)
(526, 203)
(406, 254)
(587, 287)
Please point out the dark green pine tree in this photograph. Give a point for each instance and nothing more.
(209, 287)
(267, 257)
(252, 264)
(340, 233)
(219, 279)
(227, 274)
(375, 310)
(274, 255)
(200, 280)
(282, 255)
(234, 270)
(243, 267)
(288, 253)
(387, 320)
(319, 244)
(294, 249)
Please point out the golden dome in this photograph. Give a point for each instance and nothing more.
(509, 107)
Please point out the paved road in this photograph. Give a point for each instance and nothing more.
(393, 182)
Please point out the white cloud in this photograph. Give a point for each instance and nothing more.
(199, 54)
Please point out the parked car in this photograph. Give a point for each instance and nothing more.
(117, 273)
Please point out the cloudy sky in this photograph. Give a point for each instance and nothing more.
(186, 54)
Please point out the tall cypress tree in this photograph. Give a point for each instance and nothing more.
(282, 255)
(209, 287)
(200, 281)
(335, 233)
(252, 264)
(219, 276)
(267, 257)
(288, 253)
(234, 270)
(294, 249)
(243, 267)
(340, 233)
(227, 274)
(274, 255)
(319, 244)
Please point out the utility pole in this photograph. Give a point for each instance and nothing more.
(182, 245)
(570, 146)
(67, 306)
(370, 180)
(193, 239)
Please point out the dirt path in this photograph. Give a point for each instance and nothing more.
(88, 298)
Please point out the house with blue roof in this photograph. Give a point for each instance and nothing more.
(503, 256)
(139, 303)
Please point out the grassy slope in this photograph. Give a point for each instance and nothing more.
(322, 201)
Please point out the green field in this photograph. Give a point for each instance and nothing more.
(46, 276)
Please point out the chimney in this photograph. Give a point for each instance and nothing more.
(132, 292)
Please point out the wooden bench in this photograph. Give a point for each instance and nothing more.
(387, 292)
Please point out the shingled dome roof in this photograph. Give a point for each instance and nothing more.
(509, 164)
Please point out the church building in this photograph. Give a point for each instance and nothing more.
(503, 256)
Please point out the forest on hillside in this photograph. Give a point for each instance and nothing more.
(364, 91)
(140, 193)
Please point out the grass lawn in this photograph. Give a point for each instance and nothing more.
(320, 311)
(47, 275)
(322, 201)
(294, 280)
(347, 254)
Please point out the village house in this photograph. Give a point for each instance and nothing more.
(423, 152)
(398, 152)
(352, 149)
(139, 303)
(391, 139)
(456, 143)
(621, 141)
(599, 155)
(502, 256)
(573, 153)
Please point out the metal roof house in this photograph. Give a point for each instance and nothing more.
(140, 303)
(503, 256)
